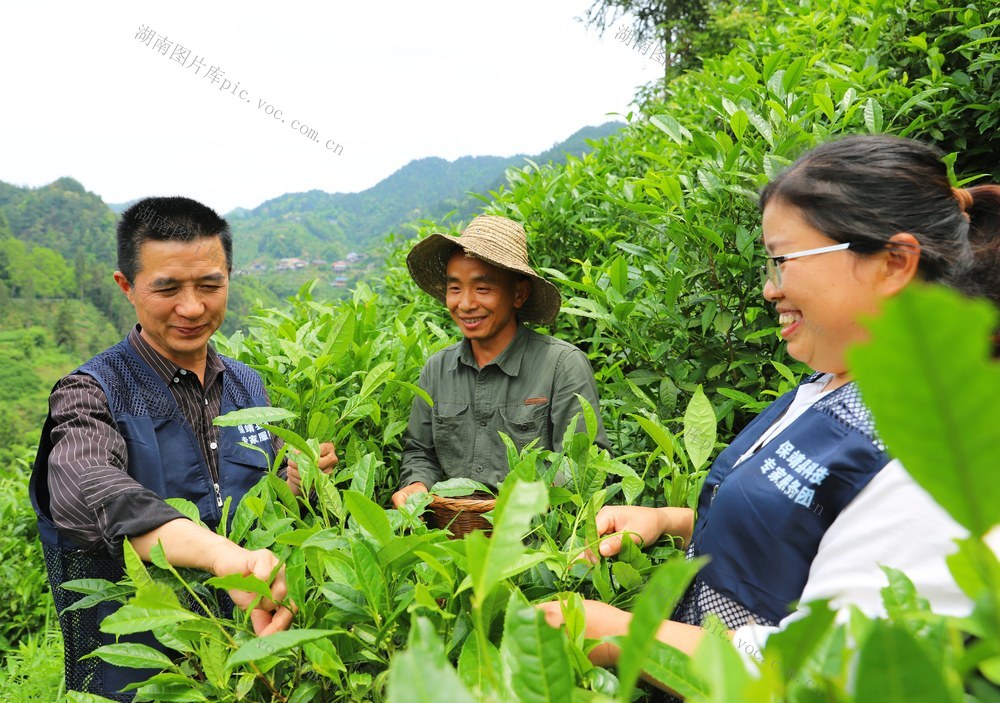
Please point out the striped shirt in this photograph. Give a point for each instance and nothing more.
(93, 500)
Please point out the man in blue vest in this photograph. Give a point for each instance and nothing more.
(133, 427)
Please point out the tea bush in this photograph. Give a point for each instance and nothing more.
(27, 604)
(653, 239)
(390, 609)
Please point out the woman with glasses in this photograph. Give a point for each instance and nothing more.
(805, 503)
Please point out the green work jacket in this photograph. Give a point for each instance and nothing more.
(529, 390)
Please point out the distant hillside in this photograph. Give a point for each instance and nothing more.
(62, 216)
(65, 241)
(327, 226)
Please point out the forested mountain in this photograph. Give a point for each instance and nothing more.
(319, 225)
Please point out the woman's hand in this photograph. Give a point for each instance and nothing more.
(643, 525)
(603, 620)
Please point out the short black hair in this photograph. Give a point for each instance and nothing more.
(175, 219)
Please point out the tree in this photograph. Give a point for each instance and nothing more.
(80, 272)
(66, 327)
(689, 30)
(5, 232)
(664, 22)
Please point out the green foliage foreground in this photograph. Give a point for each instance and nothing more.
(392, 610)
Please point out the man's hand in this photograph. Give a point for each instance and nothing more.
(327, 460)
(400, 496)
(267, 616)
(188, 544)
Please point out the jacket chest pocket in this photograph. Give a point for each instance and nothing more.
(524, 423)
(453, 439)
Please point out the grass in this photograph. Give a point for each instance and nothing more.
(33, 671)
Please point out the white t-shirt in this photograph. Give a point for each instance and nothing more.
(891, 522)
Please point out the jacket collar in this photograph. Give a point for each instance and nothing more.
(508, 361)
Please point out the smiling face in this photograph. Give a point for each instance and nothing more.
(483, 301)
(822, 297)
(179, 294)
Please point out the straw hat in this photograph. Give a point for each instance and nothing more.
(495, 240)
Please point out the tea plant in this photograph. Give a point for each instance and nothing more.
(366, 580)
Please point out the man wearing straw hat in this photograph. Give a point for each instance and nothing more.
(502, 376)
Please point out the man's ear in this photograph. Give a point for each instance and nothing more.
(522, 289)
(123, 283)
(902, 261)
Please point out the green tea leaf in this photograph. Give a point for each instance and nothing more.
(699, 429)
(873, 116)
(489, 557)
(364, 475)
(131, 618)
(975, 567)
(254, 416)
(455, 487)
(369, 516)
(936, 422)
(672, 668)
(134, 567)
(375, 378)
(900, 596)
(791, 647)
(719, 665)
(664, 588)
(369, 575)
(262, 647)
(894, 668)
(672, 127)
(239, 582)
(133, 655)
(186, 508)
(413, 388)
(738, 122)
(324, 658)
(664, 440)
(535, 654)
(474, 666)
(114, 592)
(422, 672)
(626, 575)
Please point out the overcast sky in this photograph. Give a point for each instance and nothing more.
(380, 83)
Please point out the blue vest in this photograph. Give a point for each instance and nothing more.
(164, 455)
(761, 521)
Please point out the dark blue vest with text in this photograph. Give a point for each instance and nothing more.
(164, 455)
(761, 521)
(163, 452)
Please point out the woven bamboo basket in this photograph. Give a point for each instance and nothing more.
(462, 515)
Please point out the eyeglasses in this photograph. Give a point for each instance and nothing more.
(773, 270)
